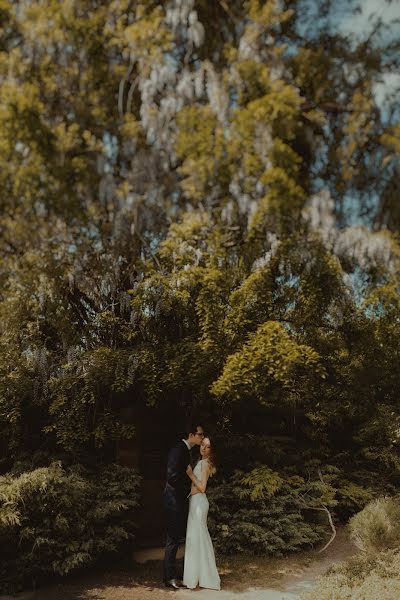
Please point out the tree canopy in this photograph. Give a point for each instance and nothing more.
(199, 206)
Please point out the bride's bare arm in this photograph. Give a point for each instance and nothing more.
(199, 485)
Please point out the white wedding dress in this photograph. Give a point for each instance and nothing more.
(199, 567)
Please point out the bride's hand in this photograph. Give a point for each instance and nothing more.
(189, 471)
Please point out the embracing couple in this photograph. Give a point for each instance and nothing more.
(186, 508)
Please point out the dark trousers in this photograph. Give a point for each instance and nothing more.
(176, 519)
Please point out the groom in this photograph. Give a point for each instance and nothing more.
(176, 492)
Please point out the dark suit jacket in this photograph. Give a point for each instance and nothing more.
(177, 486)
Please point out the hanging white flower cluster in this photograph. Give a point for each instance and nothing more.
(274, 243)
(198, 256)
(261, 262)
(177, 13)
(255, 45)
(242, 199)
(358, 243)
(156, 118)
(319, 213)
(176, 92)
(228, 213)
(156, 84)
(249, 44)
(216, 92)
(264, 260)
(188, 252)
(263, 143)
(247, 204)
(166, 86)
(183, 19)
(184, 87)
(22, 148)
(365, 247)
(204, 81)
(196, 32)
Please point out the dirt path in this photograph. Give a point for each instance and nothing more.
(244, 578)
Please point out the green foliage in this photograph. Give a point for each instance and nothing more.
(352, 497)
(260, 483)
(164, 228)
(55, 520)
(81, 400)
(270, 357)
(263, 511)
(173, 192)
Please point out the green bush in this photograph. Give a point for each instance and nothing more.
(54, 520)
(260, 512)
(351, 498)
(377, 526)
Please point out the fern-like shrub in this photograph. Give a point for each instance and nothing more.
(54, 520)
(260, 512)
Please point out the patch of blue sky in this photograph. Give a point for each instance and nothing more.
(359, 25)
(357, 21)
(110, 150)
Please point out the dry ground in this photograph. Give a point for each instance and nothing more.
(243, 578)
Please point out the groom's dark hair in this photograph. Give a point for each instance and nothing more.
(191, 427)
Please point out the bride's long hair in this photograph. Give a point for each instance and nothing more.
(212, 459)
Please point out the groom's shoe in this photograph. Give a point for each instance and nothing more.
(173, 583)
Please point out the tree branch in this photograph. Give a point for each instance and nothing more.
(122, 88)
(226, 8)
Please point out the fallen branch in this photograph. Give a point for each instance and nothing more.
(325, 509)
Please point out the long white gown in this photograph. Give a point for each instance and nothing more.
(199, 566)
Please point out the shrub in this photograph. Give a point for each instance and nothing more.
(351, 498)
(54, 520)
(377, 526)
(363, 577)
(375, 572)
(260, 512)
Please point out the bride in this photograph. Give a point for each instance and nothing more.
(199, 567)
